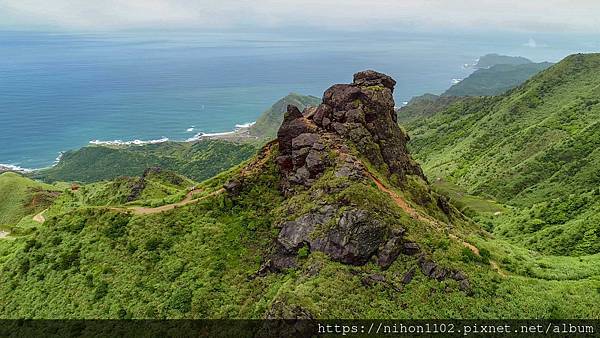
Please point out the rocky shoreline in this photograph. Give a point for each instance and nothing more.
(237, 135)
(11, 168)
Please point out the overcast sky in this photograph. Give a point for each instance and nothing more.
(563, 16)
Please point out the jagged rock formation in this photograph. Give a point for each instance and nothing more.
(326, 155)
(362, 115)
(355, 122)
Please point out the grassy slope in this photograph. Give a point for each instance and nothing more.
(535, 147)
(20, 196)
(495, 80)
(194, 262)
(198, 160)
(424, 106)
(267, 124)
(491, 81)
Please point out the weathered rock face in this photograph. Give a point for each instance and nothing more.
(361, 114)
(353, 239)
(354, 121)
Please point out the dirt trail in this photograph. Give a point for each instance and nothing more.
(189, 199)
(251, 168)
(4, 234)
(40, 217)
(401, 202)
(397, 198)
(469, 246)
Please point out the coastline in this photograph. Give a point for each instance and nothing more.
(14, 168)
(239, 134)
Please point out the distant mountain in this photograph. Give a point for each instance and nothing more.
(424, 106)
(496, 79)
(197, 160)
(493, 79)
(491, 60)
(269, 121)
(535, 148)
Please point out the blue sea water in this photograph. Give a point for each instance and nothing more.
(60, 91)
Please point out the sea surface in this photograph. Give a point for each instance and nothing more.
(61, 91)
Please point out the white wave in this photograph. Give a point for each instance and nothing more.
(58, 158)
(16, 168)
(189, 130)
(245, 125)
(238, 128)
(129, 143)
(199, 136)
(455, 81)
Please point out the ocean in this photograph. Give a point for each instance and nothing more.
(61, 91)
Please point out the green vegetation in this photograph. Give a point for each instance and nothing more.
(501, 74)
(197, 160)
(522, 168)
(424, 106)
(20, 196)
(491, 60)
(534, 148)
(468, 204)
(156, 187)
(495, 80)
(269, 121)
(196, 262)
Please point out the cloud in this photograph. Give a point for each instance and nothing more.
(531, 43)
(531, 15)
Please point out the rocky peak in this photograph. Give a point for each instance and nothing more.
(360, 115)
(353, 128)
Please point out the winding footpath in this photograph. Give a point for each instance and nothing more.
(401, 202)
(189, 199)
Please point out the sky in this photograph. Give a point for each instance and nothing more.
(564, 16)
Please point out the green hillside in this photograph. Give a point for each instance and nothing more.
(535, 148)
(20, 196)
(496, 79)
(334, 219)
(269, 121)
(197, 160)
(500, 74)
(424, 106)
(155, 187)
(490, 60)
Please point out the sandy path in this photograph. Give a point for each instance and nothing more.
(470, 246)
(4, 234)
(40, 217)
(397, 198)
(475, 250)
(187, 200)
(401, 202)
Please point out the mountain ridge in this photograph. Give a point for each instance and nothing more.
(534, 147)
(333, 219)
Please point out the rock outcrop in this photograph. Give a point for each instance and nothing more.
(353, 239)
(355, 122)
(328, 158)
(359, 115)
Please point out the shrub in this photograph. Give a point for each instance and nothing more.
(181, 300)
(303, 252)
